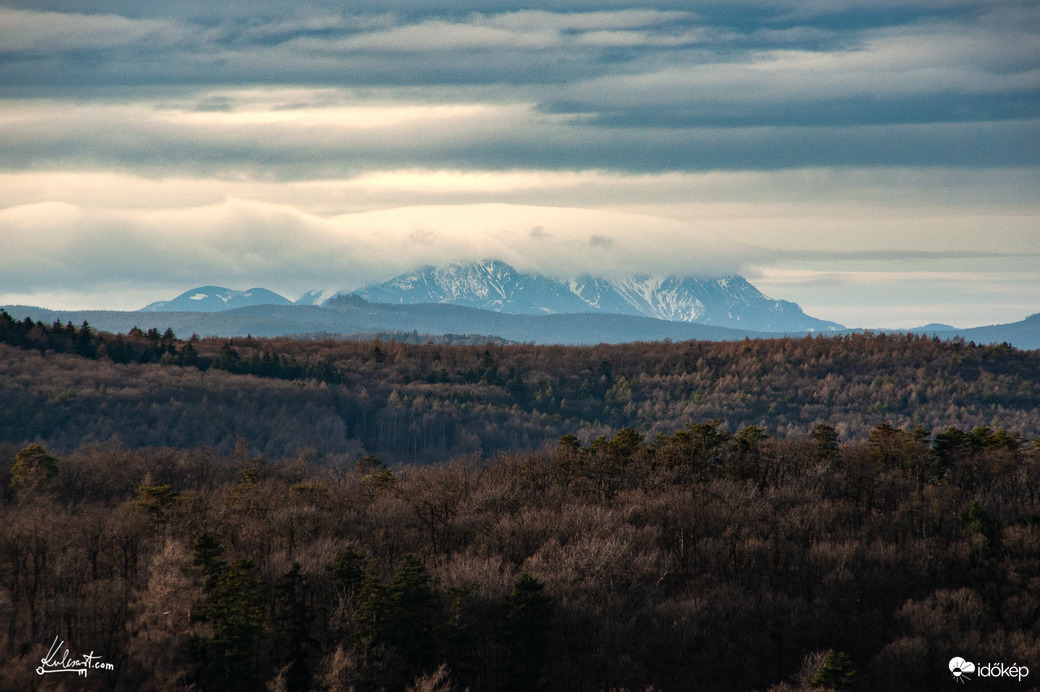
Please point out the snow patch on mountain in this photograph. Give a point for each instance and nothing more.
(488, 285)
(316, 297)
(494, 285)
(728, 301)
(216, 299)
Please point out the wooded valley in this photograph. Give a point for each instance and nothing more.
(425, 403)
(817, 513)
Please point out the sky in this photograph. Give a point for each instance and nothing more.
(875, 161)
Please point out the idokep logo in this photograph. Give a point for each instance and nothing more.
(960, 668)
(963, 670)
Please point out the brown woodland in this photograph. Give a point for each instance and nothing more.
(697, 560)
(840, 513)
(420, 404)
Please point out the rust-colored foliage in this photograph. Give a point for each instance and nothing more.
(426, 403)
(696, 559)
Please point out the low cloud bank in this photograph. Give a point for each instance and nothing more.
(240, 242)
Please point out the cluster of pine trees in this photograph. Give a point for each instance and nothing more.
(150, 346)
(694, 559)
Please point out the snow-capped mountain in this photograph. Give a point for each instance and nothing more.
(215, 299)
(729, 301)
(315, 297)
(493, 285)
(488, 285)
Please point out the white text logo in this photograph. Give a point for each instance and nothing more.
(58, 661)
(961, 669)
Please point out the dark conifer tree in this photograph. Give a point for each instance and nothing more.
(292, 629)
(527, 612)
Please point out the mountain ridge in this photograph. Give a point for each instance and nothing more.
(491, 284)
(216, 299)
(593, 302)
(354, 316)
(728, 301)
(487, 284)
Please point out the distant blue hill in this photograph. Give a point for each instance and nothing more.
(352, 315)
(1024, 334)
(217, 299)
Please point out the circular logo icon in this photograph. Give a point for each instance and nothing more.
(960, 668)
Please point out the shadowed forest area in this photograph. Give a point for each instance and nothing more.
(817, 513)
(696, 560)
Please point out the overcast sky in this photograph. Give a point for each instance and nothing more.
(877, 161)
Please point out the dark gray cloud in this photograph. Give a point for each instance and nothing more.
(153, 141)
(644, 86)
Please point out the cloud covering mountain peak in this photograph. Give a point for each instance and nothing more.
(729, 301)
(240, 242)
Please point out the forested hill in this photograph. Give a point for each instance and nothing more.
(64, 386)
(351, 315)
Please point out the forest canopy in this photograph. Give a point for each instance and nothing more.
(815, 513)
(696, 560)
(62, 385)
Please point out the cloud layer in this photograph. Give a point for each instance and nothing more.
(240, 240)
(148, 147)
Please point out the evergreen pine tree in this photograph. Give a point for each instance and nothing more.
(292, 629)
(527, 611)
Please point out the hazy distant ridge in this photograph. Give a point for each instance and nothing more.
(494, 299)
(216, 299)
(348, 314)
